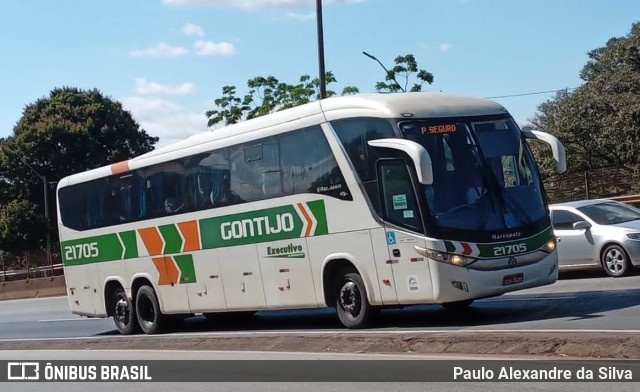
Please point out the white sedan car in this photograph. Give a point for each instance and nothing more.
(597, 233)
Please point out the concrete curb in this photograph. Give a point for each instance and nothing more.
(623, 345)
(33, 288)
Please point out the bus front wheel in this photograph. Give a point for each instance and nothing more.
(352, 304)
(124, 314)
(150, 318)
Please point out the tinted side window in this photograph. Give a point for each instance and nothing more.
(398, 198)
(126, 198)
(296, 162)
(209, 181)
(164, 189)
(354, 134)
(564, 220)
(255, 170)
(72, 206)
(308, 165)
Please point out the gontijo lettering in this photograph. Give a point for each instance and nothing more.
(257, 226)
(265, 225)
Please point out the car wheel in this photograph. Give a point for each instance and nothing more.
(615, 261)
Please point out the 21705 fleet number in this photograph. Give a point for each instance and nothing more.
(509, 249)
(81, 251)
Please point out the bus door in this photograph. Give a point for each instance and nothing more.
(403, 224)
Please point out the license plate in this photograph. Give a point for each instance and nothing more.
(512, 279)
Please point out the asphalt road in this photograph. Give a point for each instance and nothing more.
(584, 301)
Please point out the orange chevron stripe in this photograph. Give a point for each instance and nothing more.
(152, 240)
(167, 269)
(120, 167)
(307, 218)
(189, 231)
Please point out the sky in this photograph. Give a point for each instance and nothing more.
(167, 60)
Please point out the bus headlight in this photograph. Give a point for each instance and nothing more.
(443, 257)
(550, 246)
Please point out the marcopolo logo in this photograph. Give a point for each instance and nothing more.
(271, 224)
(290, 251)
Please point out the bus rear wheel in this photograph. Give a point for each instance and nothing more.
(352, 304)
(150, 318)
(124, 314)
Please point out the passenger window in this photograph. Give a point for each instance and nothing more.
(564, 220)
(209, 180)
(308, 165)
(398, 197)
(164, 186)
(255, 170)
(300, 161)
(354, 134)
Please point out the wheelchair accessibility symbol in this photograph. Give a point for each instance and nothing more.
(391, 238)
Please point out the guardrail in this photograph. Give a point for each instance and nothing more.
(31, 272)
(629, 199)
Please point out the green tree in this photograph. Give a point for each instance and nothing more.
(268, 95)
(21, 226)
(599, 122)
(231, 107)
(70, 131)
(404, 69)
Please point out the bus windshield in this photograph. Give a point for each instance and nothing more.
(485, 178)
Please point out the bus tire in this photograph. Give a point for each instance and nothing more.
(150, 318)
(124, 313)
(352, 304)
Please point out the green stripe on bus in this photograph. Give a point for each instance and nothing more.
(91, 250)
(511, 247)
(172, 239)
(532, 244)
(450, 246)
(318, 211)
(187, 271)
(272, 224)
(130, 244)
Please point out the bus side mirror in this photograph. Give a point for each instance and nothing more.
(559, 154)
(418, 154)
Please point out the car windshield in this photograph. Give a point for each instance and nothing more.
(485, 178)
(610, 213)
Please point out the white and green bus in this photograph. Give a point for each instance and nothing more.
(358, 203)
